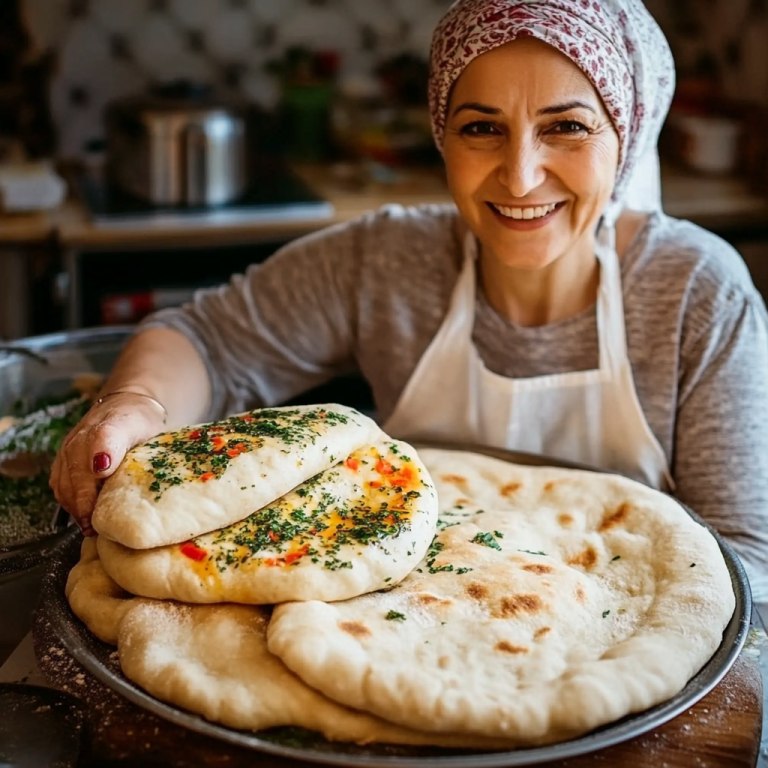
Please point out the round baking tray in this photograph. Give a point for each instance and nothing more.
(100, 660)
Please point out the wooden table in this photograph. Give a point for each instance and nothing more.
(721, 731)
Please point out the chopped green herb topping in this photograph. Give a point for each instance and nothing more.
(316, 521)
(203, 453)
(487, 539)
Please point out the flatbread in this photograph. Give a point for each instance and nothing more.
(359, 526)
(197, 479)
(94, 597)
(213, 660)
(551, 602)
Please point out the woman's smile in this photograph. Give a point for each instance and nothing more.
(525, 217)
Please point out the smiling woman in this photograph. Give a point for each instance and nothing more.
(531, 161)
(541, 313)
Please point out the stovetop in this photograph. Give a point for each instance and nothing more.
(278, 194)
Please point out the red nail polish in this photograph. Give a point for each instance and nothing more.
(101, 462)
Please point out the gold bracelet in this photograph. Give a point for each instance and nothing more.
(100, 400)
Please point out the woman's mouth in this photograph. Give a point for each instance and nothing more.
(525, 213)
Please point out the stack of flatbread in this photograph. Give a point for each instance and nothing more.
(442, 597)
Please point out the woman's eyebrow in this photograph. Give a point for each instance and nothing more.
(476, 106)
(555, 109)
(565, 107)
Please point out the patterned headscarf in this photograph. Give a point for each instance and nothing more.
(615, 43)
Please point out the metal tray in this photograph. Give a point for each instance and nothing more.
(100, 660)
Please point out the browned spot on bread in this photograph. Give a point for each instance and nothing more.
(426, 599)
(444, 662)
(458, 480)
(549, 486)
(514, 604)
(538, 568)
(477, 591)
(581, 595)
(539, 633)
(506, 647)
(586, 558)
(616, 518)
(462, 502)
(355, 628)
(565, 519)
(509, 488)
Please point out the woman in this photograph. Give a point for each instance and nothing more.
(541, 313)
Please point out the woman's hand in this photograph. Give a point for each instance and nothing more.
(92, 451)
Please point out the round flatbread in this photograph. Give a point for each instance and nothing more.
(359, 526)
(551, 602)
(94, 597)
(213, 660)
(197, 479)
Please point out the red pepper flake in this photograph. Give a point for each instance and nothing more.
(375, 484)
(383, 467)
(404, 477)
(206, 476)
(292, 557)
(273, 536)
(193, 551)
(194, 434)
(352, 463)
(218, 442)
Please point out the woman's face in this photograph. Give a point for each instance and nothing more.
(530, 153)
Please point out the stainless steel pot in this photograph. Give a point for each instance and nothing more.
(178, 145)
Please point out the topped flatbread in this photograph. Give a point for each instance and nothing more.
(200, 478)
(552, 601)
(361, 525)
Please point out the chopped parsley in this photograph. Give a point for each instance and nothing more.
(487, 539)
(203, 453)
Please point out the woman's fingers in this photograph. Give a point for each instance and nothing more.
(94, 449)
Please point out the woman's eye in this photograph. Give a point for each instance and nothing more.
(569, 127)
(480, 128)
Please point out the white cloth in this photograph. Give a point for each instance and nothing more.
(643, 190)
(591, 417)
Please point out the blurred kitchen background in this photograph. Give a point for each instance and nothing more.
(305, 112)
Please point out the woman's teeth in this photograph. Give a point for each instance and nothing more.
(533, 212)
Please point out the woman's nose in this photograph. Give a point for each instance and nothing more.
(521, 166)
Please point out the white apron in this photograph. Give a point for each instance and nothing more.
(591, 417)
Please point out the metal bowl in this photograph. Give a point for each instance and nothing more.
(34, 370)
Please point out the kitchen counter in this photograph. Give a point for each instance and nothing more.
(713, 201)
(723, 204)
(348, 192)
